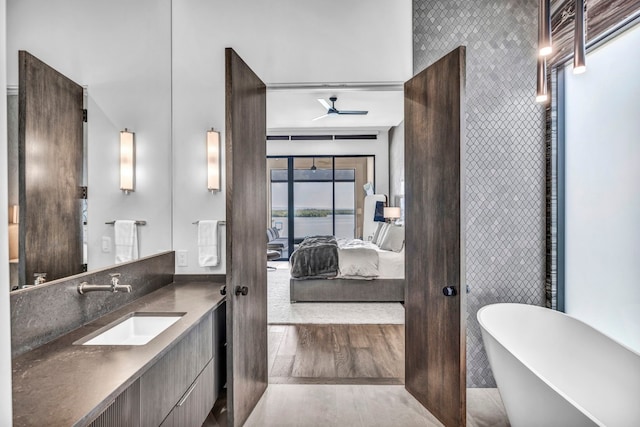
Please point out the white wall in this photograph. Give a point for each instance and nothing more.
(602, 190)
(283, 42)
(5, 318)
(198, 105)
(121, 51)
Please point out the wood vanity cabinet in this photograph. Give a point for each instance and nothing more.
(166, 382)
(192, 409)
(179, 389)
(123, 411)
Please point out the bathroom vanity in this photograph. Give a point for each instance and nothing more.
(173, 380)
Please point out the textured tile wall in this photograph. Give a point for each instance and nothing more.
(505, 164)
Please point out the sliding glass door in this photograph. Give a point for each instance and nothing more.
(278, 198)
(312, 197)
(320, 195)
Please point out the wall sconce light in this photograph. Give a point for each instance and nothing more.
(544, 28)
(127, 161)
(391, 213)
(541, 83)
(213, 160)
(579, 53)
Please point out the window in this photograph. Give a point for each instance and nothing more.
(318, 195)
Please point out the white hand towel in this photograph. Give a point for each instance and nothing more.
(126, 237)
(208, 243)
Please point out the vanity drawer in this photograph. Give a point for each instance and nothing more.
(163, 385)
(196, 403)
(124, 411)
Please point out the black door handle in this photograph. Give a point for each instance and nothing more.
(223, 290)
(242, 290)
(449, 291)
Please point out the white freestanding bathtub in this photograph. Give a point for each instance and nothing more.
(554, 370)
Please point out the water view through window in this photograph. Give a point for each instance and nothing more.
(323, 201)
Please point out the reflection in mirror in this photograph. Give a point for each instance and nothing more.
(127, 79)
(15, 265)
(50, 157)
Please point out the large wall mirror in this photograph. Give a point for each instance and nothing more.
(120, 52)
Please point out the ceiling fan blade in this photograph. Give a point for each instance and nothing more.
(324, 103)
(355, 112)
(319, 117)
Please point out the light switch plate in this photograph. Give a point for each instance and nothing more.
(106, 244)
(183, 258)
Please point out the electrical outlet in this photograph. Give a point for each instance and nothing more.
(106, 244)
(183, 260)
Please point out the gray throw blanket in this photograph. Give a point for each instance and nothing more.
(316, 257)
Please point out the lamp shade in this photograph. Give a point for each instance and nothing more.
(127, 161)
(213, 160)
(392, 212)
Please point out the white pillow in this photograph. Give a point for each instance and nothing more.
(393, 239)
(358, 262)
(377, 233)
(383, 232)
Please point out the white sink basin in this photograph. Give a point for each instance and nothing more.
(136, 328)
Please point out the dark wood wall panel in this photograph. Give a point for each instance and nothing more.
(600, 15)
(435, 355)
(246, 168)
(50, 162)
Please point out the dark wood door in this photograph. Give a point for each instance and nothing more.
(245, 149)
(50, 154)
(435, 359)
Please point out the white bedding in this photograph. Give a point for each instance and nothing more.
(357, 260)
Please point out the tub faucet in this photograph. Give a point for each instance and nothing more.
(115, 286)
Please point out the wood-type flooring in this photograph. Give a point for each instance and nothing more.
(308, 364)
(336, 354)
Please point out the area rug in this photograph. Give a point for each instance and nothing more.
(281, 311)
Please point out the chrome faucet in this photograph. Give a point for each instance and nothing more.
(40, 278)
(115, 286)
(115, 283)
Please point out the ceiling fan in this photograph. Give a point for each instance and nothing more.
(331, 109)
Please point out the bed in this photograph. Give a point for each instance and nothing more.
(326, 269)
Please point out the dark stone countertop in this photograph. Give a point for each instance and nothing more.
(61, 384)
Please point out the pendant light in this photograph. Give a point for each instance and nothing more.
(544, 28)
(579, 53)
(313, 167)
(544, 49)
(541, 86)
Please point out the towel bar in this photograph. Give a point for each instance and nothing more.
(138, 222)
(219, 222)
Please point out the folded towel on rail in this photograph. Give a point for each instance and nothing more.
(126, 240)
(208, 243)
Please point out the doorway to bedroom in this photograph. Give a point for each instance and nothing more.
(325, 342)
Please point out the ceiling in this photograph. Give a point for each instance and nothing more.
(294, 108)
